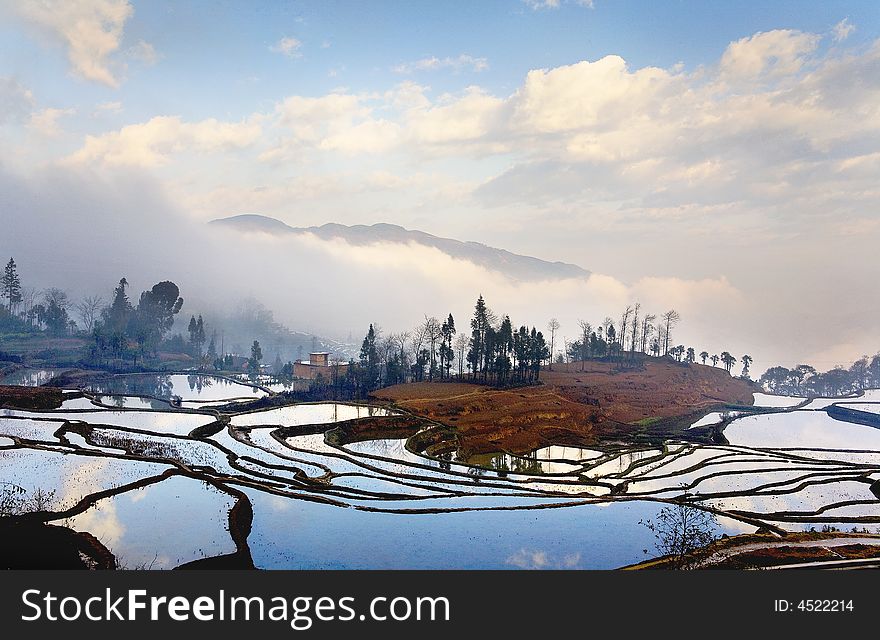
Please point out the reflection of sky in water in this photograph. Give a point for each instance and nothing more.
(303, 414)
(180, 520)
(807, 500)
(175, 521)
(770, 400)
(168, 422)
(71, 476)
(801, 429)
(313, 536)
(714, 418)
(188, 387)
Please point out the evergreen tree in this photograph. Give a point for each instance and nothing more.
(369, 362)
(212, 347)
(254, 360)
(11, 286)
(479, 325)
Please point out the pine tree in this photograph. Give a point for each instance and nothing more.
(11, 285)
(256, 357)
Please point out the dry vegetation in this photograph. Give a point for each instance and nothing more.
(571, 406)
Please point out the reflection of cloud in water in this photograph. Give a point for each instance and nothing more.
(279, 504)
(537, 559)
(140, 494)
(101, 520)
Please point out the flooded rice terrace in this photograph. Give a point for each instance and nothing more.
(165, 470)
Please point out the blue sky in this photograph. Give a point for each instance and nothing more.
(215, 58)
(721, 155)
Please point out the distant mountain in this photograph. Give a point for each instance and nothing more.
(514, 266)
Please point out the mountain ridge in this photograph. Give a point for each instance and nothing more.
(513, 265)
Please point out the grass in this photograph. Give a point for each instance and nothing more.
(645, 422)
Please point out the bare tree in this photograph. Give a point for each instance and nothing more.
(623, 324)
(433, 332)
(668, 321)
(462, 342)
(647, 330)
(553, 326)
(399, 340)
(28, 300)
(634, 330)
(89, 308)
(680, 532)
(586, 330)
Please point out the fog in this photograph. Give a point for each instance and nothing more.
(81, 232)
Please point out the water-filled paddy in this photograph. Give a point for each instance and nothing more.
(327, 497)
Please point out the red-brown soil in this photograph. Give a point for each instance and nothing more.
(39, 398)
(571, 406)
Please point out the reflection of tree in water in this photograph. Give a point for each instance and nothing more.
(158, 385)
(197, 383)
(526, 463)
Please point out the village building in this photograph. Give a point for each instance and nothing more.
(319, 364)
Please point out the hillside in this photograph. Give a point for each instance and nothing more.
(572, 406)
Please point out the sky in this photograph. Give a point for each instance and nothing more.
(720, 157)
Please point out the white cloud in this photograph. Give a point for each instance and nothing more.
(587, 94)
(468, 117)
(536, 5)
(151, 143)
(842, 30)
(433, 63)
(542, 4)
(45, 121)
(143, 52)
(287, 46)
(90, 30)
(772, 53)
(16, 101)
(114, 106)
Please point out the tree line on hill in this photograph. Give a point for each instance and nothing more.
(805, 380)
(492, 352)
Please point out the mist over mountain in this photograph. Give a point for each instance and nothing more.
(514, 266)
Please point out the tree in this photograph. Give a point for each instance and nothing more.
(461, 345)
(714, 360)
(611, 338)
(54, 315)
(155, 313)
(680, 530)
(586, 330)
(433, 331)
(668, 320)
(117, 316)
(89, 311)
(447, 354)
(647, 330)
(553, 325)
(11, 286)
(254, 360)
(746, 362)
(196, 330)
(623, 329)
(703, 356)
(212, 347)
(369, 362)
(479, 325)
(691, 356)
(727, 360)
